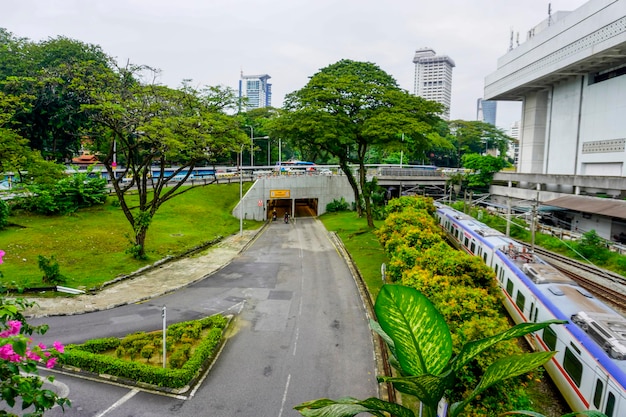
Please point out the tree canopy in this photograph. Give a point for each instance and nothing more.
(350, 107)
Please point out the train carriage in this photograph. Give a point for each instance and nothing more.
(589, 368)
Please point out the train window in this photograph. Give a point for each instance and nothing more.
(496, 269)
(549, 338)
(509, 286)
(473, 247)
(610, 405)
(485, 257)
(597, 395)
(573, 366)
(466, 241)
(520, 300)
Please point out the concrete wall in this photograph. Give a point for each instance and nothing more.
(324, 188)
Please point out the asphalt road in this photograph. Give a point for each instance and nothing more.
(301, 333)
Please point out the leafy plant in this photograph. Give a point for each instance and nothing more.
(421, 348)
(51, 271)
(337, 205)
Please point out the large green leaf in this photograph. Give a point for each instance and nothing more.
(427, 388)
(471, 349)
(419, 332)
(502, 369)
(348, 407)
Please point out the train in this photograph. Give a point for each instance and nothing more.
(589, 368)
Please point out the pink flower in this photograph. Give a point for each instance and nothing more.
(1, 255)
(58, 346)
(14, 328)
(51, 362)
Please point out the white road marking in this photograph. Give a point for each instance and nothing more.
(282, 404)
(119, 402)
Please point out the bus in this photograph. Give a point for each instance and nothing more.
(295, 166)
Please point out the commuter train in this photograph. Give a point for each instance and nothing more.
(590, 365)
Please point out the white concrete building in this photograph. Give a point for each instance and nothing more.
(433, 77)
(569, 76)
(256, 89)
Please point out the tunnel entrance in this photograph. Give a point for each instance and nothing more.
(304, 207)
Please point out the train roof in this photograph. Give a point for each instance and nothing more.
(605, 327)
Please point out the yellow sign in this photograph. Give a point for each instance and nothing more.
(280, 193)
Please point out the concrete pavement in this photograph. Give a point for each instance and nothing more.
(152, 283)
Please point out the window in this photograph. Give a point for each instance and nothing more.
(610, 405)
(473, 247)
(509, 286)
(597, 395)
(520, 300)
(466, 241)
(573, 367)
(549, 338)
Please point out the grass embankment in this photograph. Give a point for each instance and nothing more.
(89, 245)
(361, 243)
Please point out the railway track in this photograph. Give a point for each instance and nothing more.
(604, 284)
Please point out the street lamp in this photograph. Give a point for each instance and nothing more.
(251, 145)
(240, 192)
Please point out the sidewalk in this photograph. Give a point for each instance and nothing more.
(153, 283)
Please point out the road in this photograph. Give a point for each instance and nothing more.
(301, 334)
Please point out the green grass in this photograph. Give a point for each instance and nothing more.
(362, 244)
(89, 245)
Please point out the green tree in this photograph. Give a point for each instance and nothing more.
(483, 168)
(43, 73)
(146, 126)
(421, 347)
(477, 137)
(350, 107)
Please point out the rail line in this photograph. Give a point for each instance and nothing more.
(604, 284)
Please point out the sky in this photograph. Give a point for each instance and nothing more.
(212, 41)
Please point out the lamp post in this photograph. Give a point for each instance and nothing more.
(251, 145)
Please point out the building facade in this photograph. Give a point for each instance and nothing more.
(433, 78)
(570, 76)
(256, 90)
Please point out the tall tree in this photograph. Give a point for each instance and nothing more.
(477, 137)
(349, 107)
(44, 72)
(147, 126)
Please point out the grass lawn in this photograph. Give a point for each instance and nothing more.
(361, 243)
(89, 245)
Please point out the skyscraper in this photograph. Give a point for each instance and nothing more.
(486, 111)
(256, 89)
(433, 78)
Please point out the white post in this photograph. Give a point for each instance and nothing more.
(251, 146)
(402, 151)
(163, 314)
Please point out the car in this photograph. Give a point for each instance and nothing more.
(326, 171)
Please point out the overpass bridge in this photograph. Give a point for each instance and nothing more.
(306, 194)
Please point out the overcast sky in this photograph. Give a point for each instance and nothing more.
(212, 41)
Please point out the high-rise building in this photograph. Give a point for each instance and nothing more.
(486, 111)
(256, 89)
(433, 78)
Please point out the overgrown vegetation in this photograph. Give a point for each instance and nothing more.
(64, 196)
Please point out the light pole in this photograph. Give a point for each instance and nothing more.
(251, 145)
(240, 192)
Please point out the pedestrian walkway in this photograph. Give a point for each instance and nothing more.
(155, 282)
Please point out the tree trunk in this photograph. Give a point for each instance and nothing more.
(366, 192)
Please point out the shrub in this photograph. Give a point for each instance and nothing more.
(51, 270)
(337, 205)
(4, 214)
